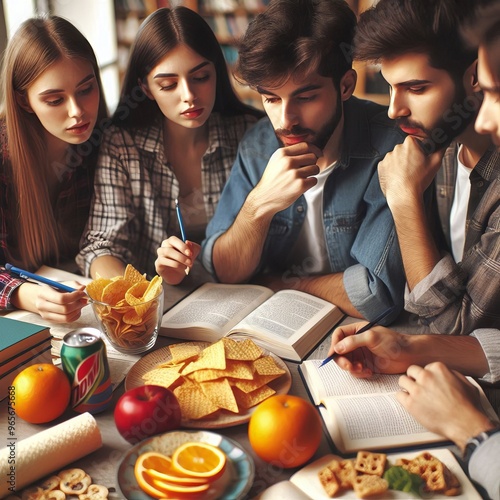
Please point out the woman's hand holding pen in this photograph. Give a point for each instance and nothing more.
(175, 257)
(378, 350)
(51, 304)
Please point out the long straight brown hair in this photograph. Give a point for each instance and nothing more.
(36, 45)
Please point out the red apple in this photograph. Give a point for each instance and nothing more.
(145, 411)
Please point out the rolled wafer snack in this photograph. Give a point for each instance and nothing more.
(23, 462)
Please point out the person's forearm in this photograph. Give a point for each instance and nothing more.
(237, 253)
(107, 266)
(418, 249)
(328, 287)
(461, 353)
(24, 297)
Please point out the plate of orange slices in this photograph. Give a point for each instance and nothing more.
(194, 464)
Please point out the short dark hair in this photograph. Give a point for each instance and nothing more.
(297, 37)
(396, 27)
(484, 28)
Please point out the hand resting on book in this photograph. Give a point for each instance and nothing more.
(443, 401)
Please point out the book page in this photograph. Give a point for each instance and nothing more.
(288, 314)
(284, 490)
(216, 307)
(373, 421)
(330, 380)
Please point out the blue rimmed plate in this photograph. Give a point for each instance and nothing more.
(234, 483)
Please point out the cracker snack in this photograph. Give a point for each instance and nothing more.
(368, 475)
(128, 307)
(227, 376)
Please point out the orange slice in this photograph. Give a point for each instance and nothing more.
(200, 460)
(160, 467)
(145, 481)
(179, 488)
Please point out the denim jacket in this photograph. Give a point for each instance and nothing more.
(358, 224)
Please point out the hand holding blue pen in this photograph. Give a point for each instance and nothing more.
(181, 226)
(179, 218)
(40, 279)
(365, 328)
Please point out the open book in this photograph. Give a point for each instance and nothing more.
(364, 414)
(288, 323)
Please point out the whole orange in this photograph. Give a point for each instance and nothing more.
(41, 393)
(285, 430)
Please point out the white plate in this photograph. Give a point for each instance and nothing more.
(234, 483)
(224, 418)
(307, 479)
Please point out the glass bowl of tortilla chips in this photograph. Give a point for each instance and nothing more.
(128, 309)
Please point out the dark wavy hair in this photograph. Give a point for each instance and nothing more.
(161, 32)
(297, 37)
(395, 27)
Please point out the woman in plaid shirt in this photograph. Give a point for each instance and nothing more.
(174, 136)
(52, 101)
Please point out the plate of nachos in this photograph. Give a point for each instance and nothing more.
(217, 384)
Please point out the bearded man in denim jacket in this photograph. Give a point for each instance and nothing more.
(303, 207)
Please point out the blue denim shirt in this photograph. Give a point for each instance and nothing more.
(359, 229)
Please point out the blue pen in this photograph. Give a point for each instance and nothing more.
(36, 277)
(179, 218)
(369, 325)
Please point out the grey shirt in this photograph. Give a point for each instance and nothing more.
(484, 466)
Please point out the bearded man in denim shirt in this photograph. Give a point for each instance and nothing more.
(303, 207)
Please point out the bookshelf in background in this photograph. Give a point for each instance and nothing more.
(229, 20)
(371, 85)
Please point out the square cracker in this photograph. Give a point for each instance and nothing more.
(344, 471)
(370, 463)
(329, 481)
(366, 485)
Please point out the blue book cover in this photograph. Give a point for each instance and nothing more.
(17, 336)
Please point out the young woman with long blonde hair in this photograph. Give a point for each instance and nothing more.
(52, 109)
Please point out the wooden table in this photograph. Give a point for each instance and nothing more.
(102, 465)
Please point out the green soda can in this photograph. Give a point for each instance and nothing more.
(84, 360)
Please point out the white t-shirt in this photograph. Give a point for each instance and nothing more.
(458, 215)
(310, 255)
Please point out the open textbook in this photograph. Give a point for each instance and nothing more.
(364, 414)
(288, 323)
(305, 484)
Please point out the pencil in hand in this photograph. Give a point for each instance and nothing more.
(365, 328)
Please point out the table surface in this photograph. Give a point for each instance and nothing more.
(102, 465)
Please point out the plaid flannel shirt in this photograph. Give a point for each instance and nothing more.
(457, 298)
(133, 209)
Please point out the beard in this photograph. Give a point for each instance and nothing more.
(321, 137)
(454, 120)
